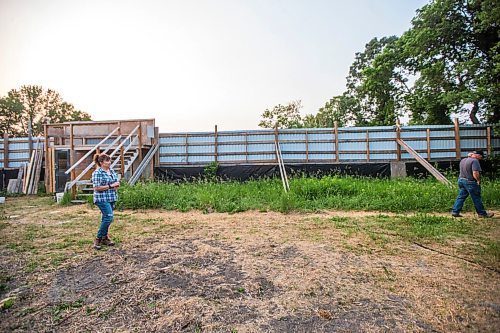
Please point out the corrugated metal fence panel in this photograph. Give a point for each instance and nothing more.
(442, 133)
(382, 145)
(201, 149)
(352, 157)
(322, 146)
(231, 148)
(201, 139)
(383, 135)
(442, 144)
(231, 138)
(260, 137)
(172, 149)
(324, 136)
(472, 132)
(18, 145)
(262, 157)
(261, 147)
(19, 156)
(303, 145)
(313, 157)
(200, 159)
(16, 164)
(231, 158)
(473, 144)
(172, 139)
(382, 156)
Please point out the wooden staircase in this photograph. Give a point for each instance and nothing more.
(123, 152)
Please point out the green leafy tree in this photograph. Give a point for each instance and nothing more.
(336, 110)
(453, 47)
(282, 116)
(372, 84)
(33, 103)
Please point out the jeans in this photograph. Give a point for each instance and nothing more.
(465, 188)
(107, 217)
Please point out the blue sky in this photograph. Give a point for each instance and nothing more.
(191, 64)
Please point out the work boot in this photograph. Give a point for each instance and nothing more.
(97, 243)
(487, 215)
(107, 241)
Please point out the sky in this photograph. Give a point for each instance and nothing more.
(191, 64)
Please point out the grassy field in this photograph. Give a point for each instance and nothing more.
(335, 254)
(306, 195)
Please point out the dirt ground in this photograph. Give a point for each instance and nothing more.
(244, 272)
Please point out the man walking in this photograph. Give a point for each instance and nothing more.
(469, 183)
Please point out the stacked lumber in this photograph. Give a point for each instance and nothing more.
(16, 185)
(34, 168)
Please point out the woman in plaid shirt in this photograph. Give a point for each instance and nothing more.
(105, 182)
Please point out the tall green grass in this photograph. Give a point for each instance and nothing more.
(306, 194)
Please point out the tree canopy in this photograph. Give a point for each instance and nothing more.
(447, 64)
(35, 103)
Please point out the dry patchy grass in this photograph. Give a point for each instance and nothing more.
(246, 272)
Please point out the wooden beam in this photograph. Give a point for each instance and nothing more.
(122, 158)
(216, 148)
(428, 136)
(246, 147)
(72, 159)
(336, 131)
(367, 146)
(488, 140)
(307, 147)
(424, 163)
(398, 137)
(458, 154)
(5, 150)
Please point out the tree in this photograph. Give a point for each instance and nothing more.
(453, 47)
(376, 84)
(450, 55)
(336, 110)
(36, 105)
(283, 116)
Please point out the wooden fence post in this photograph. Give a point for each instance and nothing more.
(216, 147)
(336, 130)
(398, 137)
(5, 150)
(458, 154)
(428, 136)
(488, 140)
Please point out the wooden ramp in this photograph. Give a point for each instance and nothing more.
(439, 176)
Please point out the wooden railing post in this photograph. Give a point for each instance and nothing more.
(122, 160)
(72, 159)
(458, 154)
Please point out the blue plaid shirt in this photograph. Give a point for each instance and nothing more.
(100, 178)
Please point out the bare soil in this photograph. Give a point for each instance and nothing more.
(245, 272)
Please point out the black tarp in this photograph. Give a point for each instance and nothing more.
(415, 169)
(246, 172)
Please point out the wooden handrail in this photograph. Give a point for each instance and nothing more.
(121, 144)
(77, 178)
(91, 151)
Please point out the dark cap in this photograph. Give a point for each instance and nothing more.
(478, 152)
